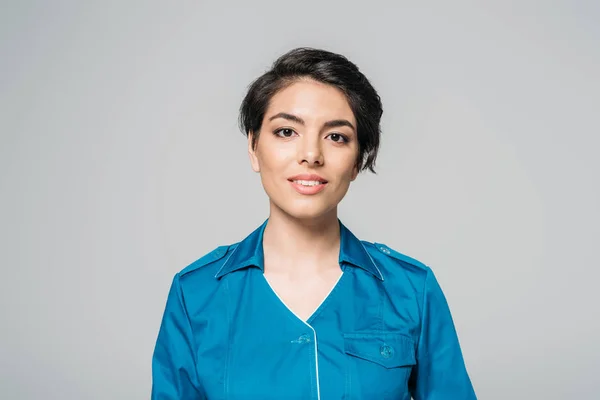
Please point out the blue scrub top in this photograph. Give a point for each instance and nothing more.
(384, 332)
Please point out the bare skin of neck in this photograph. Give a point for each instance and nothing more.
(301, 260)
(304, 247)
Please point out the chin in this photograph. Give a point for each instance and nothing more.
(307, 215)
(308, 211)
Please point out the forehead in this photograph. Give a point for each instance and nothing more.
(311, 100)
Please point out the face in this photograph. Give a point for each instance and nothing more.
(307, 150)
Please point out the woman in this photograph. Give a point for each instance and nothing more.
(302, 309)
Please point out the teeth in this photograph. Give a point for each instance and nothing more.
(308, 183)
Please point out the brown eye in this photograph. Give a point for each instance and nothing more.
(284, 132)
(338, 138)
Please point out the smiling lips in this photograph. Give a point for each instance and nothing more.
(307, 183)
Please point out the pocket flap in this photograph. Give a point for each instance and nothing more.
(390, 350)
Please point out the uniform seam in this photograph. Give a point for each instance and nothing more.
(193, 343)
(229, 341)
(423, 310)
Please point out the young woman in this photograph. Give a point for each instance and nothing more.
(301, 308)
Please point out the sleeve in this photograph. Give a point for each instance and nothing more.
(173, 363)
(440, 373)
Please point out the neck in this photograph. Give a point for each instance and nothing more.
(294, 242)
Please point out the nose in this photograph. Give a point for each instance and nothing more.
(310, 152)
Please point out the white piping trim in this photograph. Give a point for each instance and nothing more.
(227, 259)
(307, 324)
(316, 362)
(373, 261)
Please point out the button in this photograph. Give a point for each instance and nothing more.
(385, 250)
(302, 339)
(386, 351)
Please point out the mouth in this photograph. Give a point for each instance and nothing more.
(307, 179)
(308, 184)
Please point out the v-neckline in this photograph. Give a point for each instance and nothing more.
(315, 312)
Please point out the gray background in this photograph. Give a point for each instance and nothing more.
(121, 163)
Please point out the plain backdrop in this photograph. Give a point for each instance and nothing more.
(121, 163)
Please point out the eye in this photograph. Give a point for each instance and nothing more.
(284, 132)
(338, 138)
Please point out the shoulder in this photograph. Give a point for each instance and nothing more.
(402, 273)
(396, 256)
(196, 285)
(393, 262)
(208, 261)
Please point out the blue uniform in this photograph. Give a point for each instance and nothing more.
(384, 332)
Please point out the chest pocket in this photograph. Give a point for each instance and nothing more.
(379, 365)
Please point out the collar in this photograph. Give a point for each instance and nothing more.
(249, 253)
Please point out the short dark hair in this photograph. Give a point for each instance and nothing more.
(328, 68)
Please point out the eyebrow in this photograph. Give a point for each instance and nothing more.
(329, 124)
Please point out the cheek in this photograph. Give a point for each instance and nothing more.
(273, 163)
(347, 172)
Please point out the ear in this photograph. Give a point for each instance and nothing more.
(354, 172)
(252, 153)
